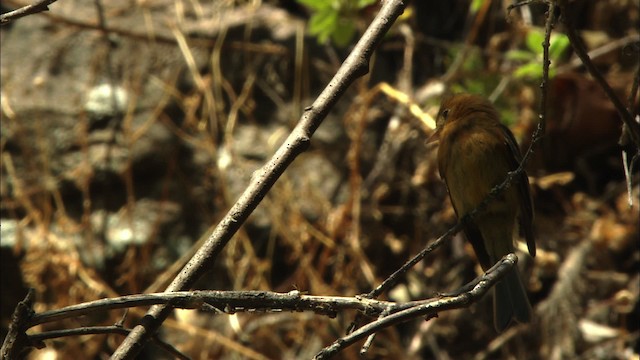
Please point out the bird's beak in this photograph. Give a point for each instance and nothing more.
(434, 137)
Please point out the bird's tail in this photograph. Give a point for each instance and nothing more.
(510, 301)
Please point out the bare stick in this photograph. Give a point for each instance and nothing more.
(16, 341)
(40, 6)
(228, 302)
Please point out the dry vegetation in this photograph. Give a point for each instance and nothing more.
(108, 193)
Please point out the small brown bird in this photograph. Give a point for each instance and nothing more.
(475, 154)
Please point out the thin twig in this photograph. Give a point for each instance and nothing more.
(196, 41)
(98, 330)
(520, 4)
(625, 140)
(579, 48)
(430, 309)
(16, 342)
(38, 7)
(542, 117)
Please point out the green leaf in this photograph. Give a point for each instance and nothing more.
(534, 40)
(334, 19)
(458, 88)
(322, 24)
(530, 70)
(520, 55)
(475, 5)
(559, 43)
(473, 62)
(343, 33)
(364, 3)
(316, 5)
(475, 86)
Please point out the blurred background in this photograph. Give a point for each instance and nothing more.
(130, 127)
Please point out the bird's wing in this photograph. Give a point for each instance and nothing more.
(526, 206)
(474, 236)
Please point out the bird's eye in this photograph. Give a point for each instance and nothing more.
(445, 113)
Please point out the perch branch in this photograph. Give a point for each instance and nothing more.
(39, 6)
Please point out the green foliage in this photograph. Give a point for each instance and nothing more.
(334, 19)
(476, 80)
(476, 5)
(532, 57)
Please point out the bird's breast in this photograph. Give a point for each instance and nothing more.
(475, 163)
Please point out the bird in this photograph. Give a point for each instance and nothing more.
(475, 154)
